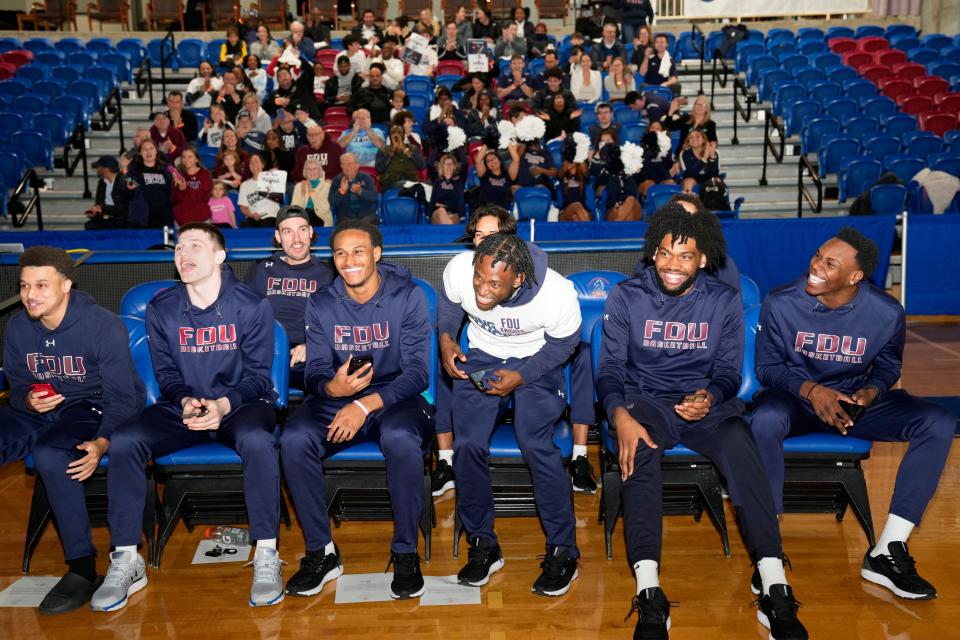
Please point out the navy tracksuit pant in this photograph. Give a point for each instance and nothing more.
(895, 416)
(54, 446)
(402, 431)
(160, 431)
(537, 406)
(724, 437)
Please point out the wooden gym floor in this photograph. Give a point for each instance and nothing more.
(711, 592)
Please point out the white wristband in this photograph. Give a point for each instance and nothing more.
(366, 412)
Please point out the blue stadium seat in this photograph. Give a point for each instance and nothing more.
(418, 84)
(120, 64)
(83, 59)
(951, 139)
(592, 289)
(936, 41)
(792, 62)
(11, 170)
(904, 166)
(625, 115)
(840, 73)
(944, 69)
(823, 91)
(714, 42)
(134, 49)
(37, 44)
(749, 292)
(53, 125)
(447, 81)
(836, 148)
(785, 94)
(533, 203)
(881, 145)
(860, 126)
(633, 132)
(840, 32)
(158, 49)
(14, 88)
(922, 143)
(923, 55)
(66, 74)
(400, 210)
(657, 196)
(859, 89)
(858, 175)
(870, 30)
(946, 162)
(745, 51)
(801, 112)
(809, 46)
(808, 75)
(34, 72)
(878, 106)
(106, 77)
(840, 108)
(811, 33)
(904, 42)
(191, 52)
(90, 91)
(134, 302)
(778, 35)
(688, 47)
(897, 30)
(74, 106)
(30, 104)
(36, 147)
(769, 78)
(50, 58)
(11, 122)
(814, 130)
(758, 64)
(826, 60)
(896, 124)
(888, 199)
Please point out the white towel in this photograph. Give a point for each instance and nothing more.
(665, 64)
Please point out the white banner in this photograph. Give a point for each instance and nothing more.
(477, 60)
(737, 8)
(271, 182)
(414, 49)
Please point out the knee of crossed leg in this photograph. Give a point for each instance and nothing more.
(770, 419)
(49, 458)
(940, 424)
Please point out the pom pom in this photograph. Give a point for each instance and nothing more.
(439, 136)
(632, 156)
(508, 133)
(434, 111)
(531, 128)
(491, 137)
(582, 141)
(610, 155)
(456, 138)
(664, 144)
(569, 149)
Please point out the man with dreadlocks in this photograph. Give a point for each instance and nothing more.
(829, 350)
(524, 323)
(669, 373)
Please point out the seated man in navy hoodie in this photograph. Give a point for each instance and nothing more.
(79, 352)
(829, 351)
(368, 353)
(669, 373)
(211, 341)
(288, 277)
(524, 323)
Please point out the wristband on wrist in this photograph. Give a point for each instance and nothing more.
(810, 390)
(366, 412)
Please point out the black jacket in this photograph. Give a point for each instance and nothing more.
(121, 200)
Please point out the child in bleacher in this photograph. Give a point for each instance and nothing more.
(213, 127)
(230, 169)
(234, 50)
(222, 211)
(256, 74)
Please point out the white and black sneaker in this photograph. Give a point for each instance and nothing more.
(653, 612)
(559, 570)
(316, 570)
(778, 613)
(483, 560)
(897, 571)
(407, 579)
(441, 478)
(127, 575)
(581, 475)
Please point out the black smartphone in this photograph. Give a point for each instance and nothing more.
(693, 397)
(852, 410)
(479, 378)
(197, 412)
(359, 362)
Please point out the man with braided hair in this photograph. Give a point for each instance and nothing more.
(524, 323)
(669, 373)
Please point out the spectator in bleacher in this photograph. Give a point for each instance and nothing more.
(496, 184)
(169, 139)
(264, 47)
(318, 147)
(222, 211)
(510, 44)
(180, 118)
(353, 194)
(192, 187)
(609, 48)
(446, 200)
(230, 168)
(585, 81)
(353, 50)
(573, 188)
(230, 140)
(620, 188)
(373, 96)
(318, 29)
(562, 118)
(428, 25)
(302, 42)
(428, 63)
(514, 84)
(362, 140)
(289, 92)
(484, 27)
(619, 81)
(302, 117)
(573, 62)
(258, 210)
(292, 133)
(393, 66)
(251, 140)
(553, 86)
(535, 166)
(472, 86)
(228, 97)
(244, 83)
(150, 182)
(598, 162)
(521, 18)
(112, 199)
(256, 74)
(404, 120)
(234, 50)
(659, 68)
(313, 194)
(343, 84)
(398, 30)
(657, 158)
(275, 155)
(699, 117)
(398, 162)
(259, 119)
(698, 161)
(538, 43)
(550, 61)
(367, 31)
(464, 24)
(398, 102)
(605, 122)
(451, 45)
(642, 46)
(635, 14)
(201, 89)
(485, 115)
(320, 76)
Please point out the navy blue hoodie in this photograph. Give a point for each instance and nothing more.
(394, 327)
(667, 346)
(857, 345)
(287, 287)
(86, 359)
(223, 350)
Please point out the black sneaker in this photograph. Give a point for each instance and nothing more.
(483, 560)
(69, 594)
(778, 613)
(756, 584)
(559, 570)
(407, 580)
(441, 478)
(316, 570)
(581, 475)
(653, 611)
(897, 572)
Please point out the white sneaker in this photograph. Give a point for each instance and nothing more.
(127, 575)
(267, 588)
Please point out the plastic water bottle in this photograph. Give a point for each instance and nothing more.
(233, 536)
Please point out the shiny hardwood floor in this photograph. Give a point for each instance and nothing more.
(711, 592)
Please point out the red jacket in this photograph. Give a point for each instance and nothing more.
(175, 136)
(193, 203)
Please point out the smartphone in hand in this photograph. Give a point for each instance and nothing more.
(43, 389)
(854, 411)
(479, 378)
(359, 362)
(195, 412)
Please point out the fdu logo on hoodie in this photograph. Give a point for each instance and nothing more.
(347, 337)
(222, 337)
(49, 367)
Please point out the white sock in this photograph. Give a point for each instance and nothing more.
(447, 455)
(647, 574)
(579, 451)
(268, 543)
(896, 530)
(771, 572)
(329, 549)
(132, 549)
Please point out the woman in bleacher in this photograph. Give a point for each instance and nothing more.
(658, 164)
(275, 155)
(585, 82)
(484, 115)
(558, 116)
(258, 210)
(404, 120)
(150, 181)
(699, 117)
(201, 89)
(264, 47)
(398, 162)
(192, 187)
(573, 181)
(256, 74)
(496, 184)
(230, 142)
(642, 44)
(698, 161)
(619, 81)
(446, 199)
(313, 194)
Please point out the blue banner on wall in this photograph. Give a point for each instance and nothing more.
(932, 278)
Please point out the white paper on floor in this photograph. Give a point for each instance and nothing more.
(201, 557)
(27, 592)
(363, 587)
(441, 590)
